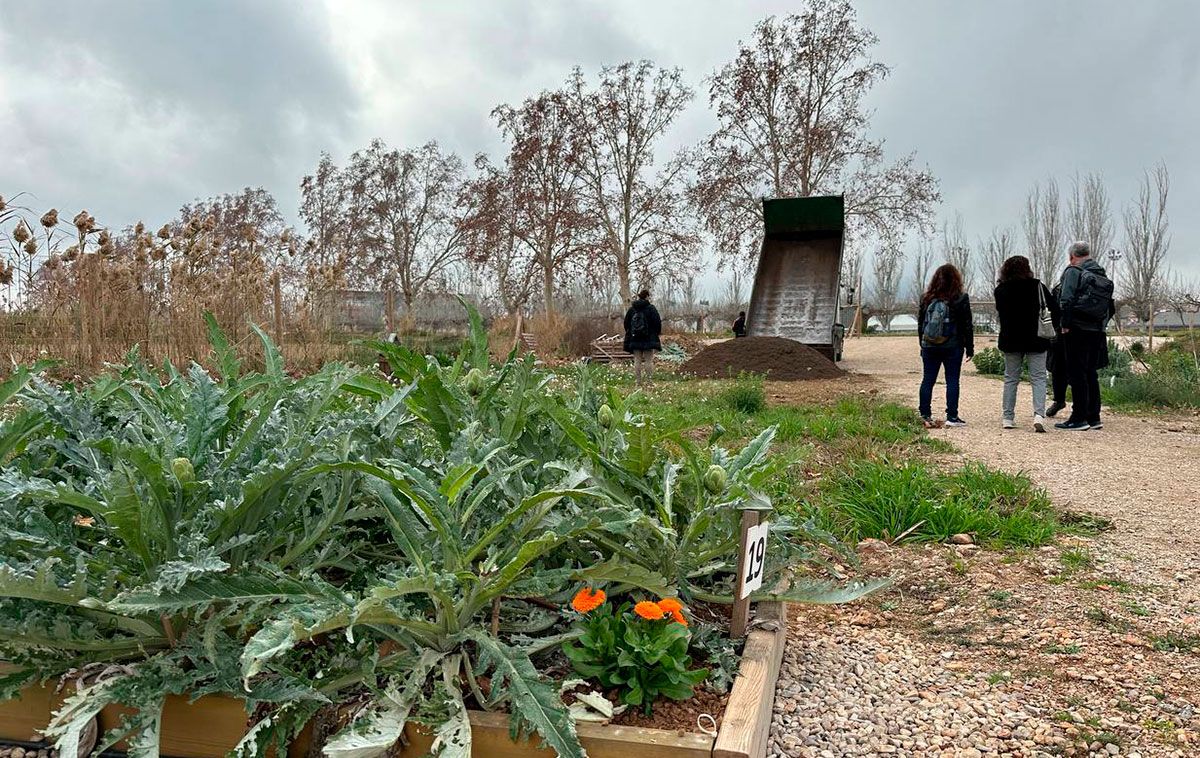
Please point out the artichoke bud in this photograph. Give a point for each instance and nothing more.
(475, 381)
(605, 416)
(183, 470)
(715, 479)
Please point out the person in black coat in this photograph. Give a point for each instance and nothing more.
(739, 326)
(1020, 298)
(1056, 358)
(643, 327)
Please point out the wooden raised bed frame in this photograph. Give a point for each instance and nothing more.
(211, 726)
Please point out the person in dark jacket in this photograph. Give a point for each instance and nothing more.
(946, 300)
(1056, 359)
(1020, 298)
(643, 326)
(1084, 340)
(739, 326)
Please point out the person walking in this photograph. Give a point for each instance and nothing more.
(1026, 332)
(643, 326)
(947, 333)
(739, 326)
(1056, 359)
(1086, 302)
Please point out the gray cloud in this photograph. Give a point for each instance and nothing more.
(132, 108)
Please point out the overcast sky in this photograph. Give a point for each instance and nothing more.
(130, 109)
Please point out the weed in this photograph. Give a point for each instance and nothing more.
(998, 677)
(999, 598)
(1071, 649)
(889, 605)
(1115, 585)
(959, 567)
(1159, 725)
(1175, 643)
(1137, 609)
(1076, 559)
(1107, 620)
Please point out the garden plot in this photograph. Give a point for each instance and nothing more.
(337, 560)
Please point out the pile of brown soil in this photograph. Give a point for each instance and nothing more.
(778, 358)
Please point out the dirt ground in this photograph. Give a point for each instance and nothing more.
(1087, 647)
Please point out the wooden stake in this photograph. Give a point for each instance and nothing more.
(741, 606)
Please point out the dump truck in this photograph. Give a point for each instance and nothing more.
(797, 289)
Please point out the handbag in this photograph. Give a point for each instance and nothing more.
(1045, 328)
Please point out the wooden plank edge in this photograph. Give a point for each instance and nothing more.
(746, 727)
(490, 737)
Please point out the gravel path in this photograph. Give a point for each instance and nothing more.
(1088, 647)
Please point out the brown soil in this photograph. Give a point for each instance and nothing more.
(778, 358)
(677, 716)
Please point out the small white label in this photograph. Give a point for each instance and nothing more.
(753, 560)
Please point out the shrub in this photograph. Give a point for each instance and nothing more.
(885, 499)
(1171, 379)
(989, 361)
(746, 394)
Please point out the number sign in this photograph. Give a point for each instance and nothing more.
(753, 560)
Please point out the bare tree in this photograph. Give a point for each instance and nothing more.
(543, 168)
(956, 251)
(734, 294)
(793, 123)
(995, 250)
(642, 218)
(1147, 239)
(491, 240)
(405, 215)
(922, 270)
(1089, 216)
(1044, 233)
(885, 298)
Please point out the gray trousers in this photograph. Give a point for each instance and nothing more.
(1012, 377)
(643, 366)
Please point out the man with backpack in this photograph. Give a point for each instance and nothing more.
(643, 326)
(1085, 303)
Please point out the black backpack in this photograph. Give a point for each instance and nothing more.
(1095, 295)
(639, 326)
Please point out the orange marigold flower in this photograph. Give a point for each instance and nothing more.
(648, 610)
(587, 600)
(678, 616)
(670, 605)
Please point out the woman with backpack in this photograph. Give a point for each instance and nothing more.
(643, 326)
(947, 333)
(1028, 322)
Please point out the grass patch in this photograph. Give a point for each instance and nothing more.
(745, 395)
(884, 498)
(1071, 649)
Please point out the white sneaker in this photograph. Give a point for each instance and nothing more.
(1039, 424)
(1009, 424)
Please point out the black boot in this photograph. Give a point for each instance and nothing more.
(1053, 410)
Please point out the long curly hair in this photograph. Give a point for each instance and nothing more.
(946, 284)
(1016, 267)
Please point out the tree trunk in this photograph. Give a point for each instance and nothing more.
(548, 288)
